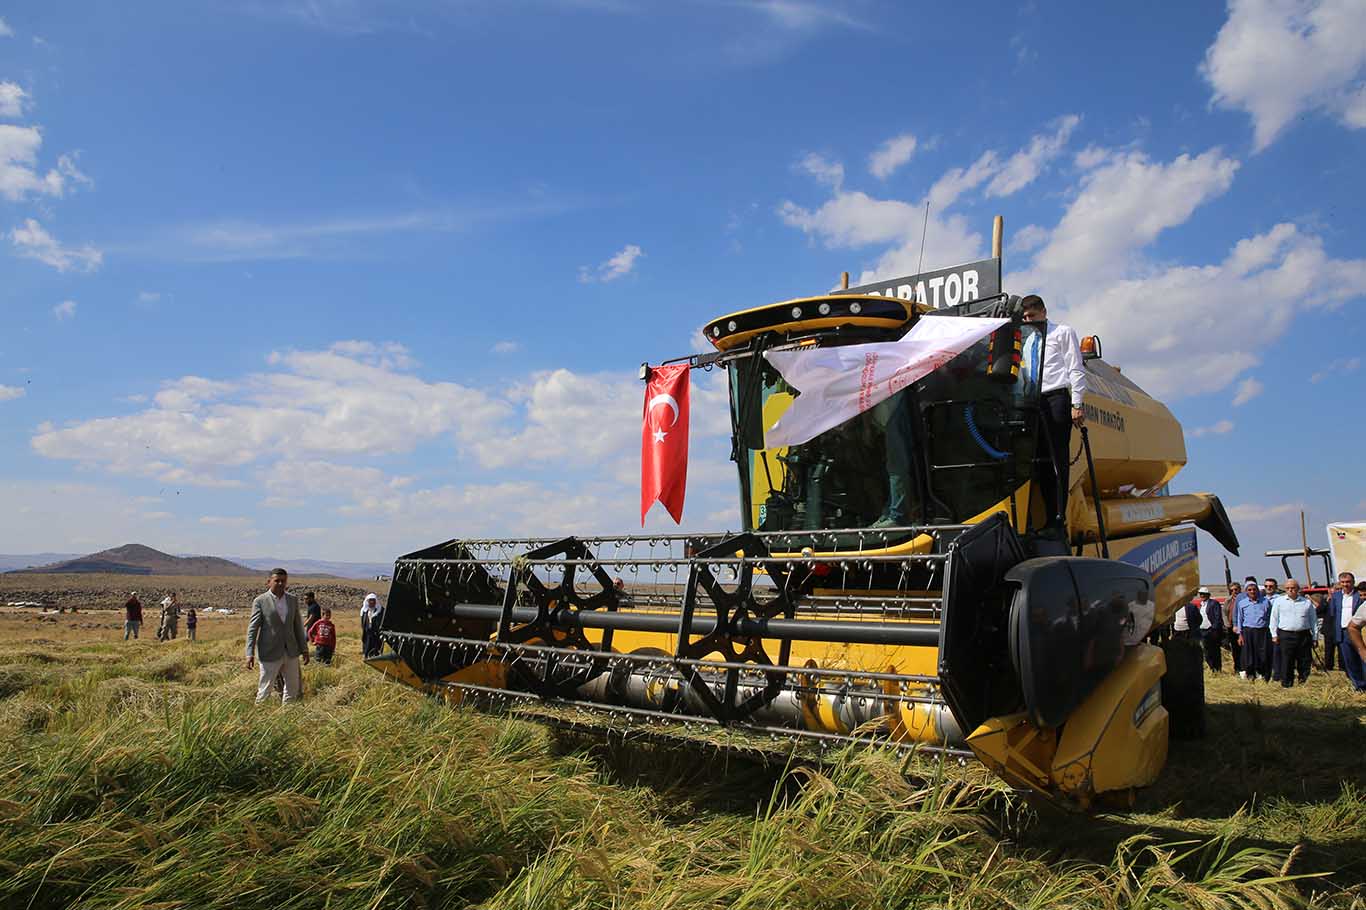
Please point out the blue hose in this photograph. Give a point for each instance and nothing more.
(977, 437)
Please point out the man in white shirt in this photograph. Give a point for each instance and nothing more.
(1063, 384)
(1342, 604)
(275, 635)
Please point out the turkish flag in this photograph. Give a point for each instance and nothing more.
(664, 440)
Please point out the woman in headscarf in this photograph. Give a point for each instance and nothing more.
(369, 625)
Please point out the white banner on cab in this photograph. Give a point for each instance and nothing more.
(838, 383)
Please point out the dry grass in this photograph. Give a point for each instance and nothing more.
(140, 775)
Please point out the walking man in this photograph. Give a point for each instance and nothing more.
(1343, 603)
(1230, 606)
(1252, 614)
(275, 636)
(1063, 384)
(314, 610)
(1211, 629)
(170, 617)
(1294, 626)
(1272, 589)
(132, 616)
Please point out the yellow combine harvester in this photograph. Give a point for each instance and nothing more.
(959, 623)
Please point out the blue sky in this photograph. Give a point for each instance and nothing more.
(340, 279)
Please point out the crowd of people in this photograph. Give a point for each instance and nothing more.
(279, 632)
(1271, 633)
(168, 621)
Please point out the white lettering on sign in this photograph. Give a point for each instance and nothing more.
(942, 291)
(1133, 514)
(1164, 555)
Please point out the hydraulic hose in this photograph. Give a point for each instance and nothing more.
(977, 437)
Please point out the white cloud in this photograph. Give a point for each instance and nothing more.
(1254, 512)
(617, 266)
(11, 392)
(851, 218)
(13, 100)
(890, 155)
(1022, 168)
(1248, 389)
(1029, 237)
(569, 417)
(1095, 267)
(5, 30)
(1339, 367)
(66, 165)
(1218, 429)
(64, 310)
(189, 392)
(387, 355)
(294, 479)
(148, 297)
(19, 177)
(505, 347)
(350, 400)
(823, 169)
(1265, 281)
(1276, 58)
(245, 240)
(32, 241)
(1124, 202)
(226, 521)
(801, 15)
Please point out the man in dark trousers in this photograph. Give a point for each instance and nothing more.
(1063, 383)
(132, 616)
(1294, 626)
(1229, 605)
(313, 610)
(1337, 617)
(1211, 629)
(1271, 589)
(1251, 616)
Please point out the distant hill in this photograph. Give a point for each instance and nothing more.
(136, 559)
(11, 561)
(317, 566)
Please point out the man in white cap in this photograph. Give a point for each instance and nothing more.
(1211, 629)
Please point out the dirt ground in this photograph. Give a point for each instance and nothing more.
(96, 592)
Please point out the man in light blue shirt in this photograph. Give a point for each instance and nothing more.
(1250, 616)
(1294, 626)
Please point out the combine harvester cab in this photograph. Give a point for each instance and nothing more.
(892, 580)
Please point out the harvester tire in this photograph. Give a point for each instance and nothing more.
(1183, 689)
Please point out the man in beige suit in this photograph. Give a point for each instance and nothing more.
(275, 636)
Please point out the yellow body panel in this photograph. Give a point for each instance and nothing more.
(1115, 740)
(1136, 442)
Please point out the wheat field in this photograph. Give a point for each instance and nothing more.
(140, 774)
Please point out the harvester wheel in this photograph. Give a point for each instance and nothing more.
(1183, 689)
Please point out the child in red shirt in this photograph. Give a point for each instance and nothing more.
(323, 635)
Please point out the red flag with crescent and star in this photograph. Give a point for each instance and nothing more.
(664, 440)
